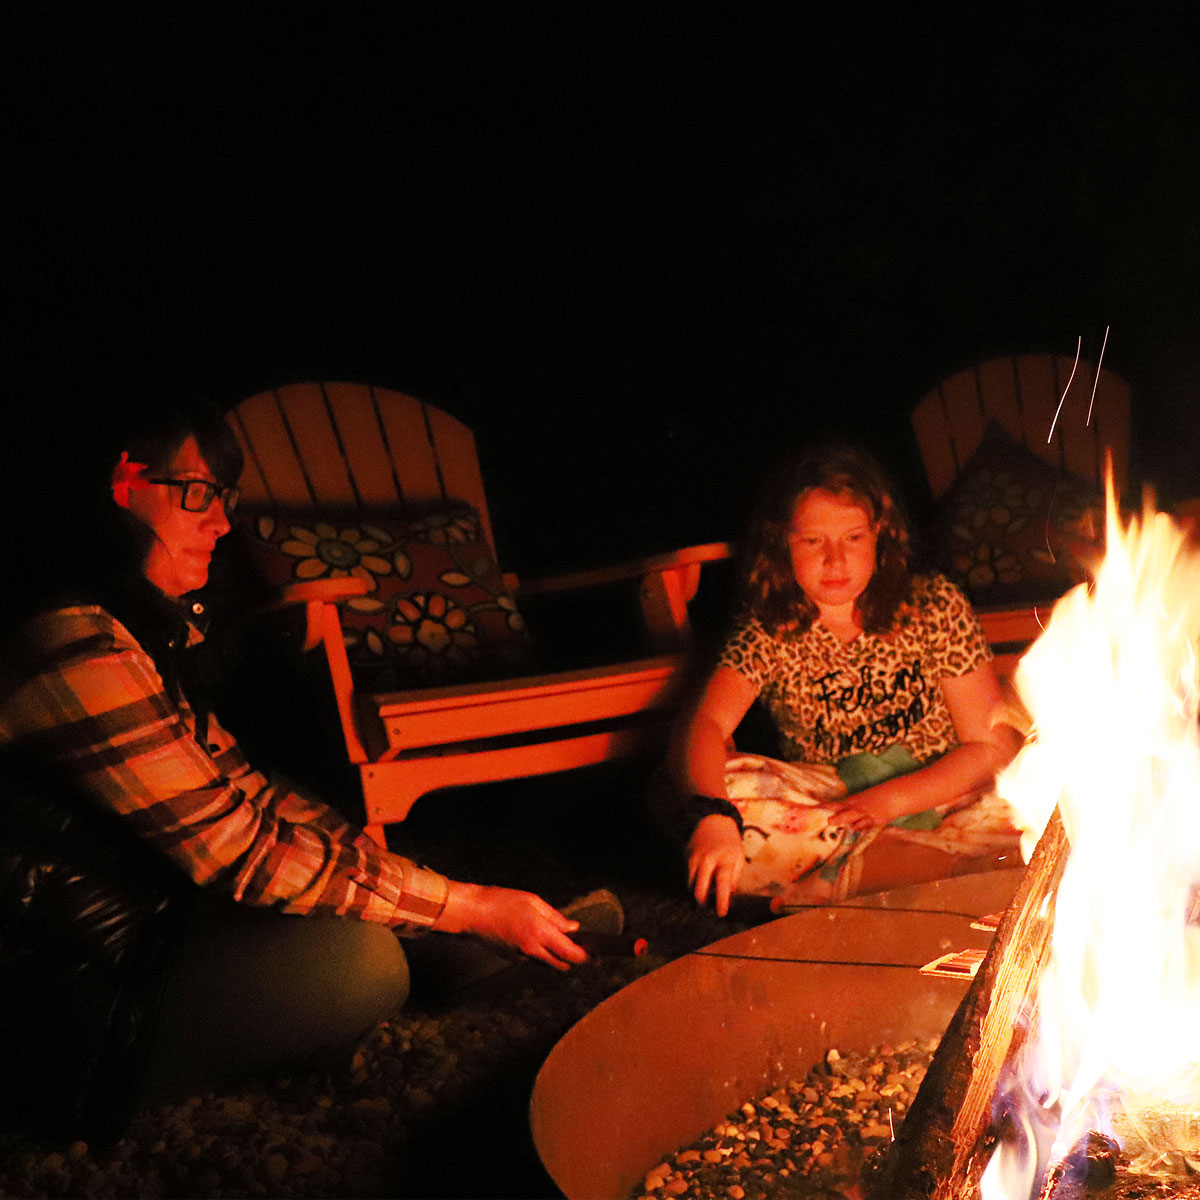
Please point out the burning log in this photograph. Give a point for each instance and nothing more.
(943, 1145)
(1090, 1167)
(1058, 1039)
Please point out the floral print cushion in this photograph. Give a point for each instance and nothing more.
(1015, 530)
(437, 612)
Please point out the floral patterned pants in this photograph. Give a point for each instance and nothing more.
(785, 810)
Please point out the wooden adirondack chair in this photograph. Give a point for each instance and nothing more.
(1021, 393)
(367, 453)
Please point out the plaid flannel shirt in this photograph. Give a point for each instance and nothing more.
(77, 690)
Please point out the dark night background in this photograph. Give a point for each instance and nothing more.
(640, 249)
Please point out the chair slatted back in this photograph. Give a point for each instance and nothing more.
(1021, 393)
(350, 447)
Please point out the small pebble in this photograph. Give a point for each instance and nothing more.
(656, 1177)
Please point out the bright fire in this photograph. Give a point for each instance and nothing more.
(1112, 687)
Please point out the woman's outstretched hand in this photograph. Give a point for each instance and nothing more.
(715, 860)
(512, 920)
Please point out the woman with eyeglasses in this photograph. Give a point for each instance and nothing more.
(171, 918)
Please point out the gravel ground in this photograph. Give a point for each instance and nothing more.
(434, 1101)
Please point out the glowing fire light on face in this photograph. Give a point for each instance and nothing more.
(1112, 688)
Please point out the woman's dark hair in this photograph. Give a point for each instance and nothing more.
(109, 544)
(770, 591)
(154, 440)
(86, 549)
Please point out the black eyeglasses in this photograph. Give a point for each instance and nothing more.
(197, 495)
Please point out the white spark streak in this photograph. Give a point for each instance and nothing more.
(1096, 381)
(1062, 398)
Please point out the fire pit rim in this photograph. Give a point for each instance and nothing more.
(619, 1091)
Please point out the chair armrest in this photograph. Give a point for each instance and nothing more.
(1006, 627)
(1010, 632)
(321, 591)
(315, 594)
(667, 583)
(637, 568)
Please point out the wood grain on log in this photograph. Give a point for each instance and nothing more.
(942, 1147)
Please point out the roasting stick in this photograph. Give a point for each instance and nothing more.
(612, 945)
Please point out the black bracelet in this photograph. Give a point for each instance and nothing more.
(699, 806)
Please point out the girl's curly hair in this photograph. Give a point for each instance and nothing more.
(769, 588)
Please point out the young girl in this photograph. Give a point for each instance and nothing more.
(881, 687)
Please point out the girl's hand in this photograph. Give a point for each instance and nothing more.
(512, 920)
(715, 860)
(876, 806)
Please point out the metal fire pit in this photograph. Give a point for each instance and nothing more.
(659, 1063)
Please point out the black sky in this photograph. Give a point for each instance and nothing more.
(639, 248)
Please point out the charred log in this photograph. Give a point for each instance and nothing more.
(947, 1138)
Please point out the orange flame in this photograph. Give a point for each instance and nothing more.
(1112, 687)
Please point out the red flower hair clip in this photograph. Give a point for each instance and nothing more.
(128, 476)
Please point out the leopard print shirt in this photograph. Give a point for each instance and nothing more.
(830, 699)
